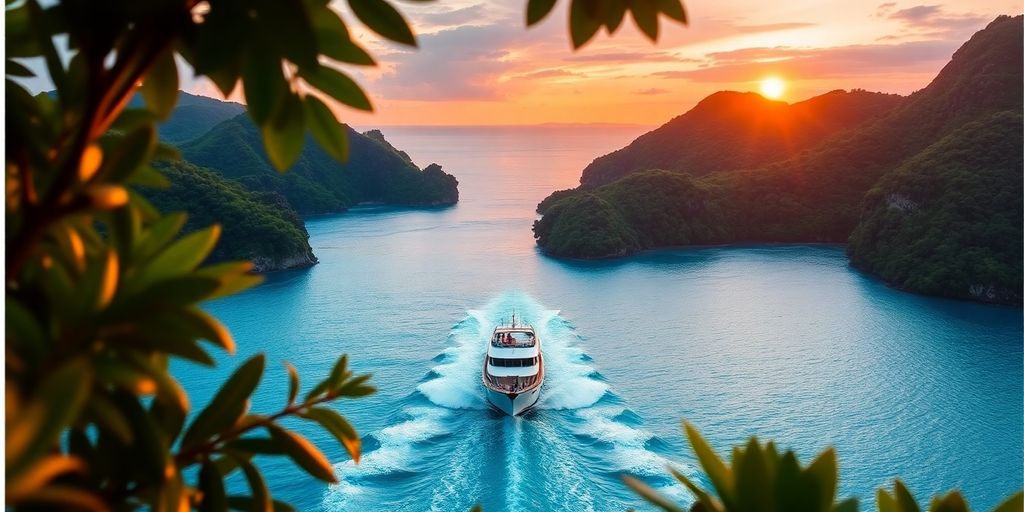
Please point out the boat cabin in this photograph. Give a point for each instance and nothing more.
(514, 337)
(513, 359)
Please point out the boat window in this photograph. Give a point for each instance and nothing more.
(514, 363)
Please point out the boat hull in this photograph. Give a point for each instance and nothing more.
(511, 403)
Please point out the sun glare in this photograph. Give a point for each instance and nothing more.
(773, 87)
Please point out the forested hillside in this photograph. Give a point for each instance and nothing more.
(948, 221)
(732, 130)
(818, 195)
(260, 227)
(375, 171)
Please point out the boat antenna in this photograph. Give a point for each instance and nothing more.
(513, 317)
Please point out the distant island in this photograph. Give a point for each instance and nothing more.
(925, 189)
(225, 176)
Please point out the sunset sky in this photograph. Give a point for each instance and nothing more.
(478, 65)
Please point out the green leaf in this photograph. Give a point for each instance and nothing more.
(264, 84)
(355, 388)
(334, 41)
(615, 14)
(151, 449)
(211, 483)
(673, 9)
(905, 500)
(228, 405)
(303, 452)
(952, 502)
(109, 417)
(646, 17)
(54, 406)
(326, 129)
(792, 486)
(209, 328)
(651, 495)
(537, 10)
(824, 470)
(170, 419)
(752, 479)
(339, 373)
(160, 86)
(293, 383)
(339, 427)
(181, 291)
(717, 471)
(233, 276)
(168, 389)
(181, 257)
(132, 119)
(283, 134)
(702, 496)
(383, 19)
(848, 505)
(131, 152)
(257, 445)
(1014, 503)
(260, 495)
(583, 23)
(23, 330)
(337, 85)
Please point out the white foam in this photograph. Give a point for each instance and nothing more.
(569, 385)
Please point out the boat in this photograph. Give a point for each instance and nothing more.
(513, 368)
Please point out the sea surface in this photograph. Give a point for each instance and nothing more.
(784, 342)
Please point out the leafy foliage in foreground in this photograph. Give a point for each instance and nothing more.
(760, 479)
(102, 291)
(257, 226)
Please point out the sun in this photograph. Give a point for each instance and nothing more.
(773, 87)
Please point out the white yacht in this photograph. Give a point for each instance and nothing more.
(513, 368)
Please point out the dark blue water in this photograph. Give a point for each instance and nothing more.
(786, 342)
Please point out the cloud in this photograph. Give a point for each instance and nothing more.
(771, 27)
(462, 63)
(653, 91)
(549, 73)
(471, 15)
(746, 64)
(933, 21)
(627, 57)
(884, 9)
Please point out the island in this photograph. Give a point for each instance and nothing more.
(895, 186)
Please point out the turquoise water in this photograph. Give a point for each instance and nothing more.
(784, 342)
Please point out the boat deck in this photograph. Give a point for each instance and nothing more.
(514, 384)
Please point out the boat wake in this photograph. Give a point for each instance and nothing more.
(447, 450)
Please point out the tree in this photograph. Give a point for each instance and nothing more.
(101, 290)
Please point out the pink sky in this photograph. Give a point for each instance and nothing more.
(477, 63)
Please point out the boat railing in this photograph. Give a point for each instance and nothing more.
(512, 383)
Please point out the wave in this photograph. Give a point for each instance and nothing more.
(447, 449)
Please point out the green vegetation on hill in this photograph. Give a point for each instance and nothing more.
(256, 226)
(730, 130)
(641, 210)
(193, 115)
(374, 172)
(948, 221)
(816, 196)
